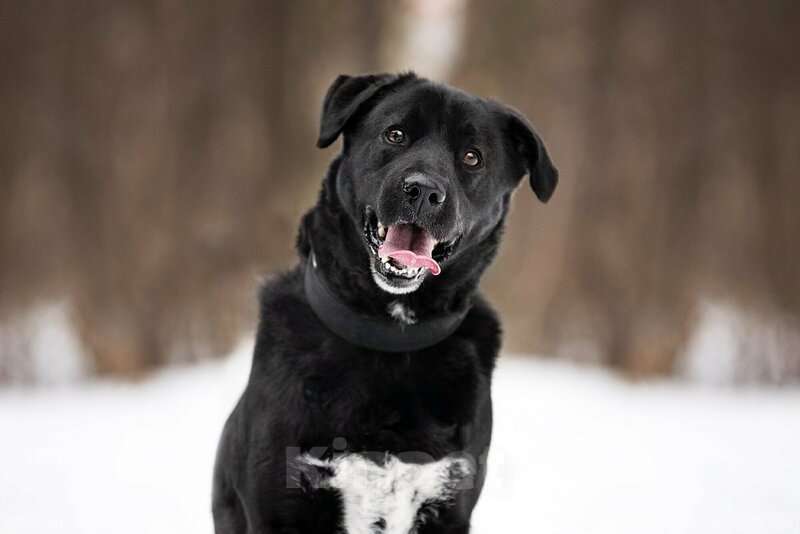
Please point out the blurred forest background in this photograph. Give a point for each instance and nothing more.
(155, 157)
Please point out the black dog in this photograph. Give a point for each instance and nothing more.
(368, 407)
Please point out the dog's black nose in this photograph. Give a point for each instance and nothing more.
(423, 190)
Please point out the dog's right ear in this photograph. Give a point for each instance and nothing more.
(345, 98)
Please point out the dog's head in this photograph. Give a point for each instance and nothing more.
(426, 170)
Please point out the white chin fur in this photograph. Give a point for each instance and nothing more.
(383, 284)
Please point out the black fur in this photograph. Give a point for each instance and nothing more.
(309, 387)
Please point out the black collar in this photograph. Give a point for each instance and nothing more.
(371, 332)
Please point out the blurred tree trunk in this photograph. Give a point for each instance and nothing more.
(675, 126)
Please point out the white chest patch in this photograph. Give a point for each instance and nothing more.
(402, 313)
(386, 498)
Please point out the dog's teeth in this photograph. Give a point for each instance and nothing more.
(381, 231)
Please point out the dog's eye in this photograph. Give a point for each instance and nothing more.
(472, 158)
(395, 136)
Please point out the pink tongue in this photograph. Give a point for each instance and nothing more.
(410, 246)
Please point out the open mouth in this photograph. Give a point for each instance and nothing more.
(403, 253)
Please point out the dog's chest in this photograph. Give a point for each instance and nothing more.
(389, 496)
(389, 402)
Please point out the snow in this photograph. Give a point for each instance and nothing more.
(576, 450)
(731, 345)
(27, 342)
(710, 357)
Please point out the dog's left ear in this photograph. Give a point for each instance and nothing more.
(542, 174)
(345, 97)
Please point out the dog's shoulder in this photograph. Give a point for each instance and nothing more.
(482, 328)
(286, 321)
(281, 293)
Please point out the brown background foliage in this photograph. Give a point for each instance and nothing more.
(155, 158)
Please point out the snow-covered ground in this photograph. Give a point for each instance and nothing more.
(576, 451)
